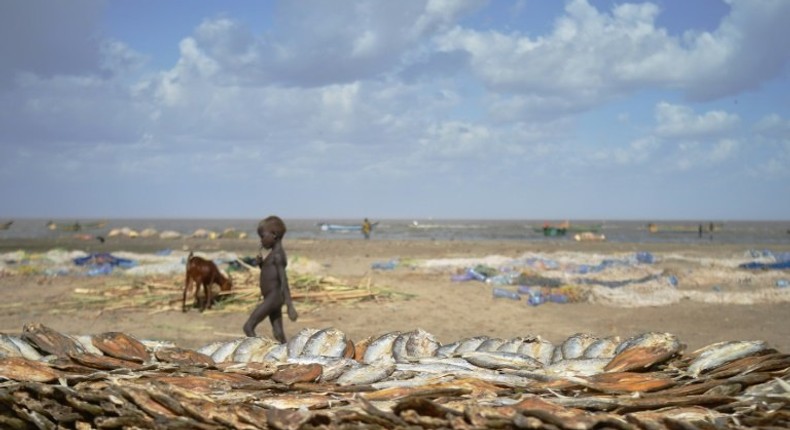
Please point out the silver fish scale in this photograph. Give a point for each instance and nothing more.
(575, 345)
(448, 349)
(602, 348)
(277, 354)
(419, 344)
(8, 348)
(381, 348)
(211, 348)
(470, 344)
(666, 341)
(490, 345)
(720, 353)
(225, 352)
(512, 345)
(252, 349)
(399, 347)
(365, 374)
(27, 350)
(296, 344)
(538, 348)
(328, 342)
(502, 360)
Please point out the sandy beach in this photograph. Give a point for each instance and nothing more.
(709, 284)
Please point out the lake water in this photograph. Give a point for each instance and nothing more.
(732, 232)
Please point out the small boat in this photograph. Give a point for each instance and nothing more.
(589, 236)
(339, 227)
(6, 225)
(551, 231)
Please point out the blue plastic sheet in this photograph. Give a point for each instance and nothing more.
(102, 258)
(756, 265)
(103, 263)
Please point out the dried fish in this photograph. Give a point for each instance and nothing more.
(447, 350)
(414, 345)
(296, 343)
(577, 367)
(381, 348)
(253, 349)
(211, 348)
(50, 341)
(438, 367)
(366, 374)
(277, 354)
(650, 339)
(22, 369)
(86, 341)
(225, 352)
(538, 348)
(8, 348)
(328, 342)
(183, 356)
(337, 367)
(121, 345)
(491, 344)
(502, 360)
(360, 347)
(602, 348)
(644, 351)
(293, 373)
(469, 344)
(575, 345)
(452, 361)
(713, 356)
(27, 351)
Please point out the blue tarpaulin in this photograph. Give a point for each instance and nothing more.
(102, 263)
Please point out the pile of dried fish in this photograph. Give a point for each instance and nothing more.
(322, 378)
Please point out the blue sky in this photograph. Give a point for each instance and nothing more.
(525, 109)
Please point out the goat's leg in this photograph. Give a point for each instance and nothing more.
(184, 298)
(201, 305)
(208, 295)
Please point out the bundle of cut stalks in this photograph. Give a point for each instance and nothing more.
(164, 293)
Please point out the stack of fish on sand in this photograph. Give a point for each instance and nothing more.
(320, 377)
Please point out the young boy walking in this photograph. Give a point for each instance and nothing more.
(273, 281)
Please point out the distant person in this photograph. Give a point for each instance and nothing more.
(366, 228)
(273, 280)
(700, 231)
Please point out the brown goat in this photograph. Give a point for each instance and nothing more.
(203, 273)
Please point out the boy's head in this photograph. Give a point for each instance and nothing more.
(271, 229)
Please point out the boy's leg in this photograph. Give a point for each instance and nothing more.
(276, 319)
(267, 308)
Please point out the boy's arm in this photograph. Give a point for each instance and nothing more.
(286, 292)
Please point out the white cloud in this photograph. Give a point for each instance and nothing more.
(592, 56)
(676, 121)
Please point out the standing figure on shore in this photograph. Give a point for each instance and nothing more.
(273, 281)
(366, 227)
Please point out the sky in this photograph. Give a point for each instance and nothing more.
(506, 109)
